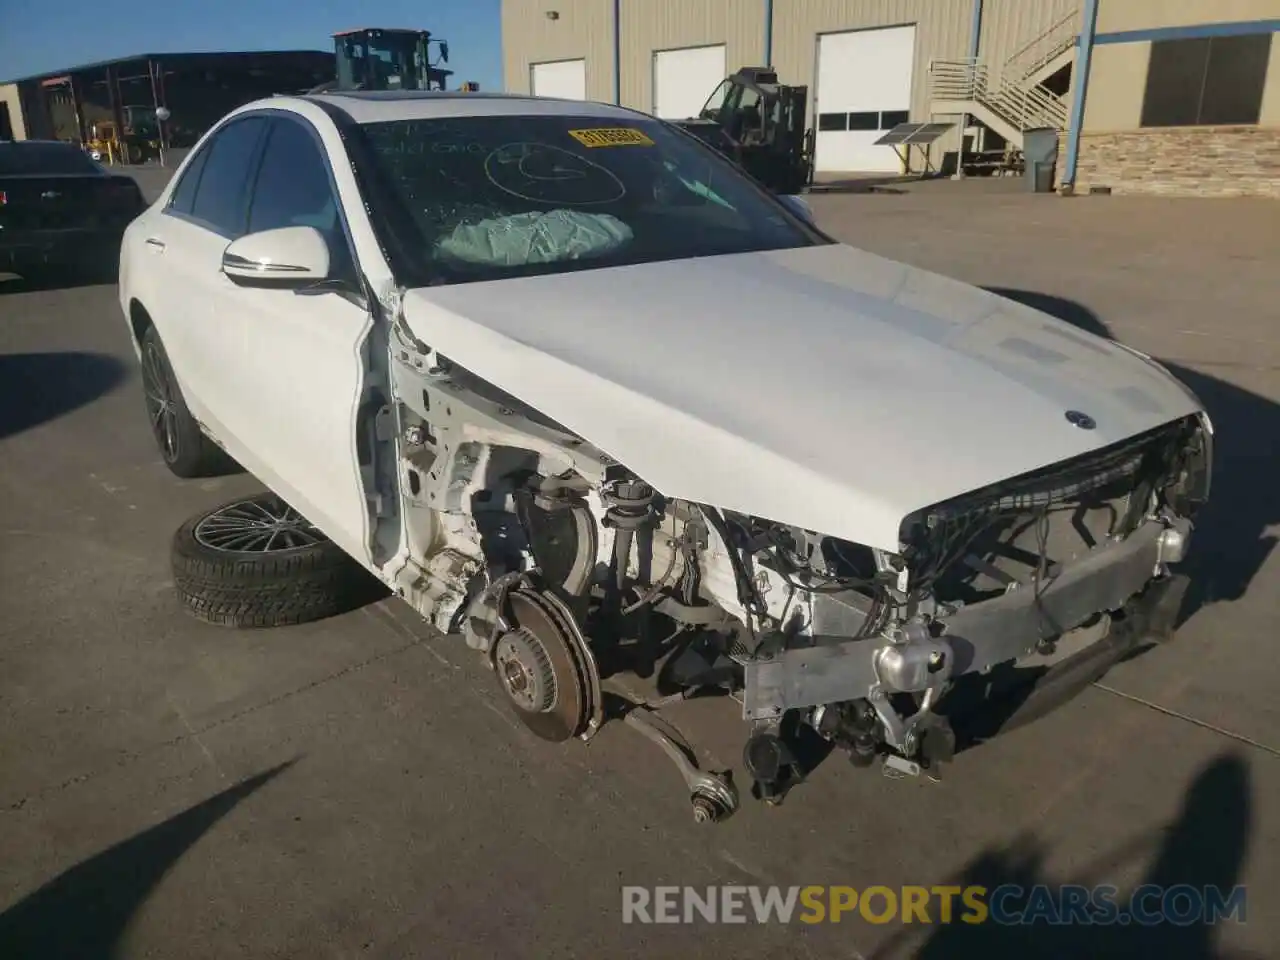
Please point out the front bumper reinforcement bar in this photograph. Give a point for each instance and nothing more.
(979, 637)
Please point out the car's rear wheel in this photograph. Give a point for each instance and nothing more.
(257, 562)
(187, 452)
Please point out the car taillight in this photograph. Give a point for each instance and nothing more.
(4, 198)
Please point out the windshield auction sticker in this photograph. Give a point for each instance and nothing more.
(611, 137)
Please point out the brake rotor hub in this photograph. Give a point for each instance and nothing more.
(524, 667)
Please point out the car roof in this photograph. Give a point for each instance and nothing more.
(30, 158)
(373, 106)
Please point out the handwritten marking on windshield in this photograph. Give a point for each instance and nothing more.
(546, 174)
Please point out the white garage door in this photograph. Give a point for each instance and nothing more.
(684, 79)
(566, 79)
(863, 89)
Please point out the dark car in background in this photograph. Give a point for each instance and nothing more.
(61, 211)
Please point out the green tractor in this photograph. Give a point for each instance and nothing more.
(375, 58)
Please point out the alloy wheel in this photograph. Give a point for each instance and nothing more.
(162, 410)
(260, 525)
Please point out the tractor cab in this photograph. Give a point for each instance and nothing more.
(140, 122)
(383, 59)
(760, 124)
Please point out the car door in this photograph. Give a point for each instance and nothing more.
(207, 208)
(290, 360)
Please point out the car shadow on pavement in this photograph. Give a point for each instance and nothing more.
(97, 272)
(38, 387)
(1232, 539)
(1205, 846)
(85, 912)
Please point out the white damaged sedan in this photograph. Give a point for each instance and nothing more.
(572, 386)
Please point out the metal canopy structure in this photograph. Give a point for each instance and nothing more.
(914, 134)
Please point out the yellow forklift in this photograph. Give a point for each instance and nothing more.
(138, 142)
(103, 142)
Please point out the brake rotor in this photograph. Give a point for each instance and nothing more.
(543, 668)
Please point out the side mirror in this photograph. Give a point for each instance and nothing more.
(800, 207)
(280, 257)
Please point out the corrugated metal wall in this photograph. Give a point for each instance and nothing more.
(1009, 25)
(943, 29)
(1117, 15)
(1117, 83)
(652, 25)
(1118, 76)
(583, 29)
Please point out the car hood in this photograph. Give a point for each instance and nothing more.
(823, 387)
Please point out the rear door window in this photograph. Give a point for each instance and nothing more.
(222, 196)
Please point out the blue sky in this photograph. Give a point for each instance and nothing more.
(38, 36)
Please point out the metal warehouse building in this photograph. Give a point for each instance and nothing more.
(1152, 96)
(197, 89)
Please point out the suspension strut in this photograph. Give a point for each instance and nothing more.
(630, 505)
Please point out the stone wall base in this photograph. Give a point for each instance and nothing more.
(1182, 161)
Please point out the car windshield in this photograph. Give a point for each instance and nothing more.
(483, 198)
(21, 159)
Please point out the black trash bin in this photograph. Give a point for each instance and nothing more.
(1040, 156)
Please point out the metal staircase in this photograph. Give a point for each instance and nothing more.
(1013, 99)
(1044, 55)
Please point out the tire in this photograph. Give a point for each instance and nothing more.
(186, 451)
(230, 572)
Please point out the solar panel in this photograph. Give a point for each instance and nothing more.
(914, 133)
(898, 134)
(929, 132)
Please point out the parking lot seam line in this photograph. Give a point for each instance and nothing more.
(194, 736)
(1177, 715)
(389, 619)
(755, 873)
